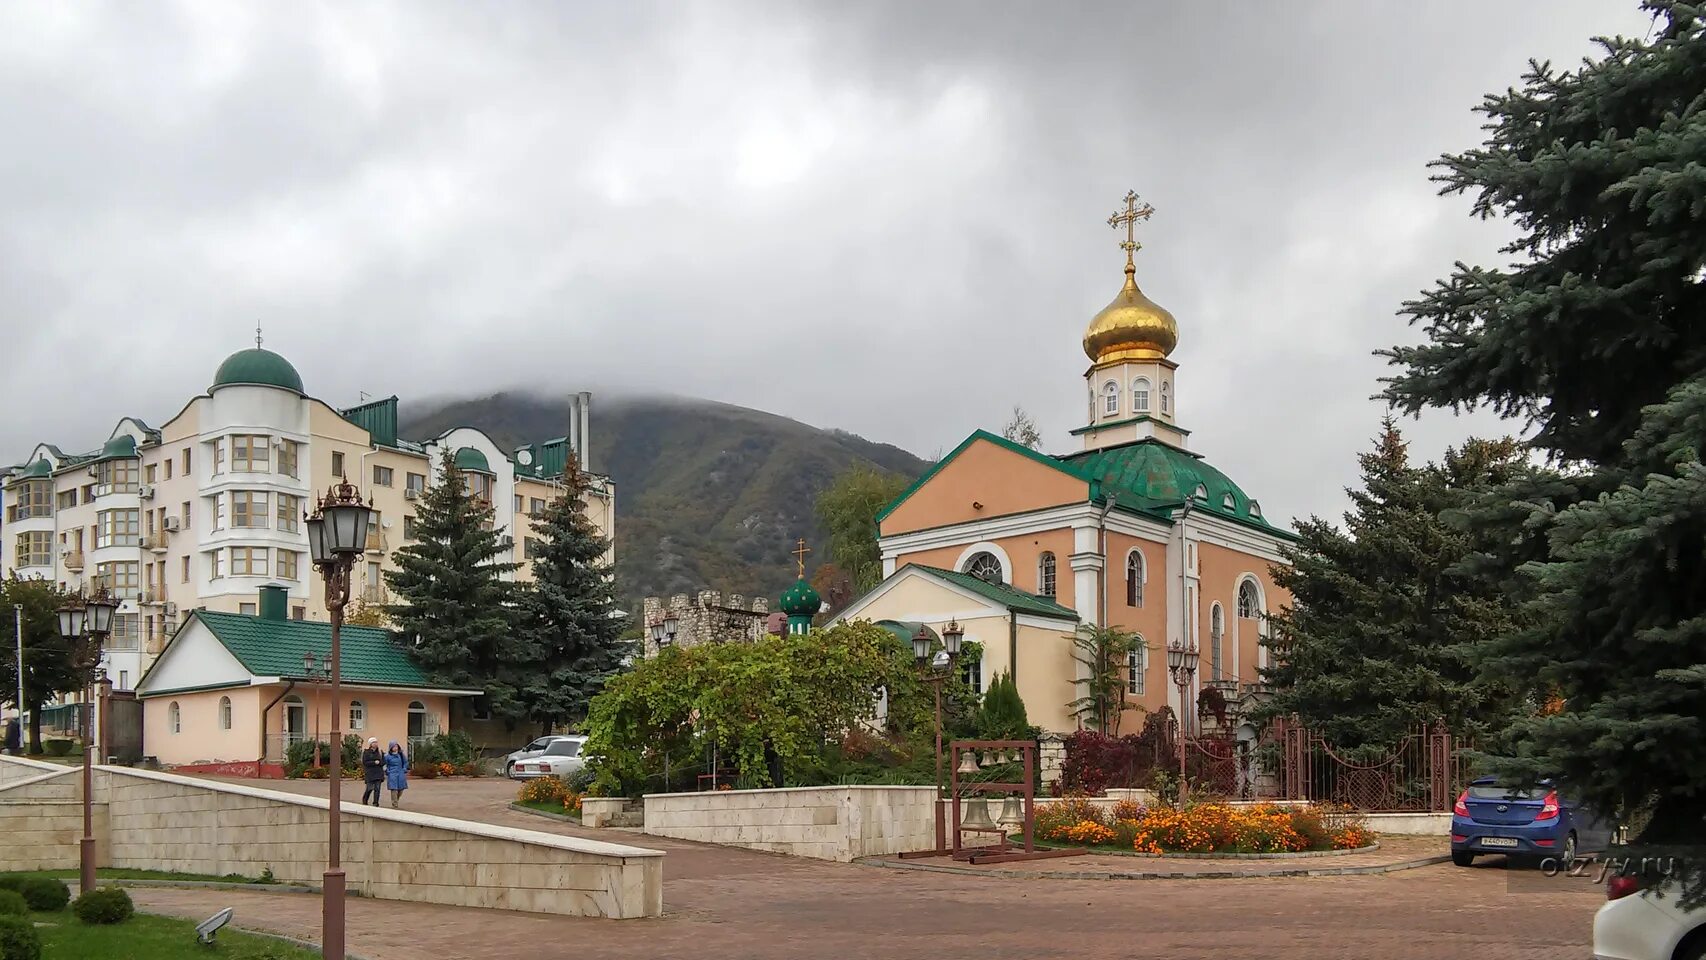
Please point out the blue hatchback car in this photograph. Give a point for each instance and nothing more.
(1522, 822)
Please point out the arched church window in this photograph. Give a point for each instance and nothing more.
(1046, 574)
(1248, 603)
(1134, 579)
(984, 566)
(1164, 391)
(1216, 630)
(1135, 662)
(1110, 398)
(1140, 395)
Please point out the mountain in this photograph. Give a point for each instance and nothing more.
(708, 495)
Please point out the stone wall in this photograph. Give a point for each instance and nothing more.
(161, 821)
(706, 617)
(826, 823)
(44, 834)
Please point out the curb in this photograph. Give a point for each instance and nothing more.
(1299, 855)
(1162, 875)
(546, 813)
(217, 885)
(309, 946)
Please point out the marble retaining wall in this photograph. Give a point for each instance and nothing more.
(826, 823)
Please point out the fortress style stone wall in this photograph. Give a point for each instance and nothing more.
(707, 617)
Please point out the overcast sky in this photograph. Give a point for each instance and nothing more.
(883, 217)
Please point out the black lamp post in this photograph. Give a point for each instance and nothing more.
(935, 670)
(337, 534)
(1182, 664)
(319, 671)
(85, 623)
(664, 629)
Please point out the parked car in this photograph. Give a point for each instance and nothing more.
(1523, 823)
(561, 757)
(1635, 923)
(532, 750)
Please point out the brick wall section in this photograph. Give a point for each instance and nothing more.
(44, 834)
(826, 823)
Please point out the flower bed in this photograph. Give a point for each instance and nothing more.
(1202, 828)
(550, 794)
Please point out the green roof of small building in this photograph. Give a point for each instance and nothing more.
(467, 458)
(378, 418)
(1008, 596)
(274, 648)
(800, 600)
(258, 366)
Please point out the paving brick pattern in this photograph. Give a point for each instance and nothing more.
(730, 903)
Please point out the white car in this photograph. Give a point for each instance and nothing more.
(1637, 924)
(561, 758)
(532, 750)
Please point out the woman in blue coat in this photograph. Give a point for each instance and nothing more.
(396, 772)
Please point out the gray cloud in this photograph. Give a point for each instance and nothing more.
(884, 217)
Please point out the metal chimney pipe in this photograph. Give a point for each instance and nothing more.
(585, 430)
(574, 439)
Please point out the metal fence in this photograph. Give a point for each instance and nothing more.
(1423, 772)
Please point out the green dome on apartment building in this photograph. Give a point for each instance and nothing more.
(258, 367)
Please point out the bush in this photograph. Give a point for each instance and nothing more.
(104, 905)
(581, 780)
(42, 894)
(57, 748)
(543, 790)
(1002, 714)
(300, 755)
(456, 749)
(1129, 810)
(12, 904)
(19, 939)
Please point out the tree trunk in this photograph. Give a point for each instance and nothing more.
(35, 728)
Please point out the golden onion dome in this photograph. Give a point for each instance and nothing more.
(1133, 327)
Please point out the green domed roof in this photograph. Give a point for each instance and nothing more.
(41, 468)
(467, 458)
(121, 447)
(1165, 475)
(800, 600)
(258, 366)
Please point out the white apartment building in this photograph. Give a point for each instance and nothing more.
(207, 508)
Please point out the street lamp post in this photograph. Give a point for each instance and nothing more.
(318, 672)
(935, 670)
(85, 624)
(1182, 664)
(337, 534)
(663, 630)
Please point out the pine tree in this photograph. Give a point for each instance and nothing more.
(1372, 646)
(453, 604)
(1596, 336)
(570, 614)
(1002, 713)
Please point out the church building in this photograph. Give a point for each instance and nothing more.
(1020, 548)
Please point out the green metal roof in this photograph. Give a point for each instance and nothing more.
(258, 366)
(467, 458)
(1162, 475)
(41, 468)
(378, 418)
(800, 600)
(1010, 597)
(121, 447)
(274, 648)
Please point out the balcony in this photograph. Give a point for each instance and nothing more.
(375, 542)
(155, 542)
(153, 595)
(73, 560)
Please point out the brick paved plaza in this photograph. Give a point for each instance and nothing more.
(735, 903)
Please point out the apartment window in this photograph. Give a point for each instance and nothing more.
(186, 461)
(289, 513)
(415, 482)
(149, 473)
(479, 485)
(127, 632)
(185, 522)
(537, 507)
(287, 564)
(374, 586)
(122, 578)
(216, 564)
(381, 476)
(529, 548)
(248, 509)
(337, 463)
(247, 609)
(218, 455)
(89, 493)
(1135, 662)
(375, 540)
(115, 476)
(67, 499)
(168, 465)
(117, 528)
(35, 549)
(248, 561)
(251, 454)
(185, 578)
(32, 498)
(298, 613)
(290, 458)
(409, 528)
(124, 679)
(518, 503)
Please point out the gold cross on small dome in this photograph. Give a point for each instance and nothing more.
(800, 551)
(1135, 210)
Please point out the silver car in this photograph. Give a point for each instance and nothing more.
(561, 758)
(532, 750)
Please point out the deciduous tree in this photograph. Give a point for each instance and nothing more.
(848, 510)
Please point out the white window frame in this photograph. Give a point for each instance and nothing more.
(1134, 585)
(357, 715)
(1136, 666)
(224, 713)
(1047, 574)
(1110, 398)
(1140, 395)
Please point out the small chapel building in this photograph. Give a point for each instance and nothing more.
(1135, 530)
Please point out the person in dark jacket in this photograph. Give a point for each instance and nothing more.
(373, 771)
(396, 772)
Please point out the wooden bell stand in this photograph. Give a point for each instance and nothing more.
(1002, 851)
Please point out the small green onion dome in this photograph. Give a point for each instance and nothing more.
(258, 367)
(467, 458)
(800, 600)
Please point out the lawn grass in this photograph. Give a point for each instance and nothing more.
(547, 806)
(145, 937)
(118, 873)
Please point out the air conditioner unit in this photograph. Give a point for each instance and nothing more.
(170, 609)
(146, 491)
(170, 524)
(410, 493)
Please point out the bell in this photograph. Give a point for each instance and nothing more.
(968, 762)
(975, 814)
(1013, 811)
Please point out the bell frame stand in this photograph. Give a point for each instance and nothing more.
(1003, 850)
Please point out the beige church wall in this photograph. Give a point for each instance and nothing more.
(1002, 481)
(1047, 677)
(1023, 552)
(1222, 569)
(159, 821)
(841, 823)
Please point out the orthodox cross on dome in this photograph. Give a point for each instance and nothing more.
(1135, 210)
(800, 551)
(257, 336)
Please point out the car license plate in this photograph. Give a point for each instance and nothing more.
(1499, 842)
